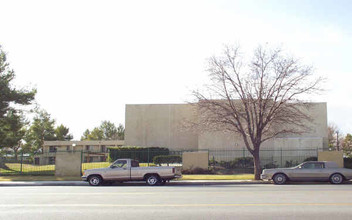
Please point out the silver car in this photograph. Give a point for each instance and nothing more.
(309, 171)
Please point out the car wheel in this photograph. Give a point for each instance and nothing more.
(152, 180)
(95, 180)
(336, 178)
(280, 179)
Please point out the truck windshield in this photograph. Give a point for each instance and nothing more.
(119, 163)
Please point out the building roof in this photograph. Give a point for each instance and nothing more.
(82, 143)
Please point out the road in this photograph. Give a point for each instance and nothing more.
(236, 201)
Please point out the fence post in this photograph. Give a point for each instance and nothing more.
(21, 162)
(208, 158)
(281, 158)
(81, 162)
(148, 156)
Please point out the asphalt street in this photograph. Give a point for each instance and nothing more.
(233, 201)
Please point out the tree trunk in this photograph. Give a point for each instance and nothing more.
(3, 165)
(257, 167)
(16, 156)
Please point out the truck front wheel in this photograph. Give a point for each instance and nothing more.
(152, 180)
(95, 180)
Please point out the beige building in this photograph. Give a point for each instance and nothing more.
(94, 151)
(161, 125)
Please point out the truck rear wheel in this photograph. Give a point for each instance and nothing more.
(152, 180)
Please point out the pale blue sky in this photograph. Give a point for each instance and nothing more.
(89, 58)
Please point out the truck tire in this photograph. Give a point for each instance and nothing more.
(95, 180)
(152, 180)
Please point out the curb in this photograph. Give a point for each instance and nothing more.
(140, 183)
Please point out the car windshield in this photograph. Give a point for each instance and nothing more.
(119, 163)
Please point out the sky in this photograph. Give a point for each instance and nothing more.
(88, 59)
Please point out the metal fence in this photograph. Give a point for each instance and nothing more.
(241, 161)
(27, 163)
(220, 161)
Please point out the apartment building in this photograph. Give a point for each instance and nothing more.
(93, 151)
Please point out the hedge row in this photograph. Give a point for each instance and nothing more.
(142, 154)
(348, 162)
(167, 159)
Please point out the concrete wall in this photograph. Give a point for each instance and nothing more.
(191, 160)
(160, 126)
(336, 156)
(68, 164)
(315, 138)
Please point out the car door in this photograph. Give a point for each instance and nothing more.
(118, 171)
(309, 171)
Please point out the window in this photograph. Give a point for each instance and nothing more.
(103, 148)
(51, 160)
(120, 163)
(319, 165)
(313, 166)
(134, 163)
(68, 148)
(87, 147)
(87, 159)
(52, 149)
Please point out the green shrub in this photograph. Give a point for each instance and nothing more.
(167, 159)
(347, 162)
(311, 159)
(291, 163)
(213, 162)
(270, 165)
(241, 162)
(197, 170)
(142, 154)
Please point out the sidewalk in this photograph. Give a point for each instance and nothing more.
(140, 183)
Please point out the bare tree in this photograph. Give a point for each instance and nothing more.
(335, 137)
(332, 128)
(258, 100)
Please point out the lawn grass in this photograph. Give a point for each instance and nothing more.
(219, 177)
(48, 173)
(185, 177)
(27, 169)
(38, 178)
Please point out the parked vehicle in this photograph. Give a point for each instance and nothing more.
(309, 171)
(129, 170)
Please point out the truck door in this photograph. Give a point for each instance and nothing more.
(136, 171)
(119, 171)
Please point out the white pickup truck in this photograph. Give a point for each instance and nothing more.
(129, 170)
